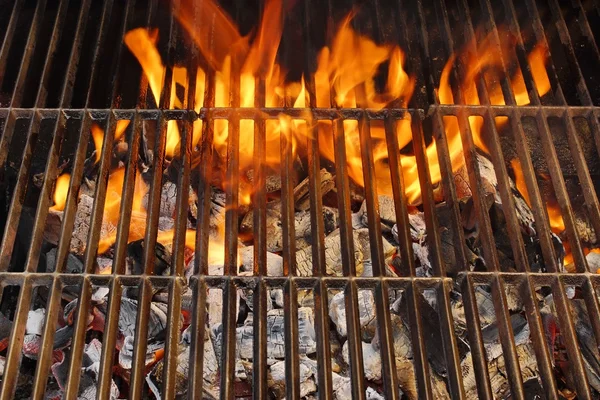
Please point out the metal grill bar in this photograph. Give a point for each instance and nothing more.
(413, 287)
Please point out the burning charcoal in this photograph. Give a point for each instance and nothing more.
(275, 335)
(485, 306)
(272, 182)
(303, 228)
(168, 199)
(301, 192)
(387, 212)
(33, 333)
(585, 339)
(153, 352)
(276, 380)
(402, 341)
(433, 339)
(104, 265)
(274, 261)
(371, 360)
(366, 310)
(135, 258)
(80, 228)
(214, 301)
(74, 264)
(209, 369)
(497, 372)
(157, 321)
(333, 256)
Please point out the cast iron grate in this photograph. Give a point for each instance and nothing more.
(64, 67)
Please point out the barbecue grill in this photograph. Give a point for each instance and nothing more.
(67, 72)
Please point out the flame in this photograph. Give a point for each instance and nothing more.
(345, 77)
(112, 206)
(142, 43)
(537, 60)
(98, 135)
(60, 192)
(520, 180)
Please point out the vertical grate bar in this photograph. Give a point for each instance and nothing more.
(14, 354)
(445, 315)
(56, 35)
(540, 344)
(259, 201)
(478, 352)
(8, 37)
(386, 339)
(34, 32)
(112, 315)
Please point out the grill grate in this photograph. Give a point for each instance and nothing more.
(94, 77)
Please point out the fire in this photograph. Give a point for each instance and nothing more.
(112, 206)
(554, 216)
(98, 135)
(345, 77)
(142, 43)
(60, 192)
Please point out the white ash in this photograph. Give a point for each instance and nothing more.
(274, 261)
(498, 373)
(104, 265)
(93, 350)
(387, 211)
(248, 296)
(2, 365)
(333, 256)
(371, 360)
(277, 379)
(593, 260)
(402, 341)
(126, 352)
(157, 321)
(35, 321)
(100, 294)
(214, 301)
(366, 310)
(275, 335)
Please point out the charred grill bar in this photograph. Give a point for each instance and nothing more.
(65, 67)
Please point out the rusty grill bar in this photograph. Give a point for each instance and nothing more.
(26, 118)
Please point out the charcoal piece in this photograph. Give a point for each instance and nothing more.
(74, 264)
(276, 380)
(157, 321)
(274, 261)
(587, 342)
(366, 310)
(387, 212)
(153, 349)
(135, 258)
(333, 256)
(272, 181)
(402, 340)
(275, 335)
(168, 200)
(301, 191)
(80, 227)
(433, 337)
(371, 360)
(303, 227)
(498, 373)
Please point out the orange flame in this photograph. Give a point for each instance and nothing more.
(60, 192)
(142, 43)
(98, 135)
